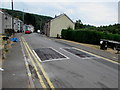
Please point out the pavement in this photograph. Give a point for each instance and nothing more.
(0, 43)
(71, 72)
(14, 74)
(1, 69)
(1, 46)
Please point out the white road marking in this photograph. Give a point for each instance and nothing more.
(109, 60)
(51, 59)
(74, 54)
(54, 59)
(1, 69)
(36, 55)
(60, 53)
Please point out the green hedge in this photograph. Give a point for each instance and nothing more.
(88, 36)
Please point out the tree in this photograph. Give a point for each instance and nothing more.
(78, 24)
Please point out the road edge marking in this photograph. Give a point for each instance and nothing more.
(26, 64)
(41, 67)
(36, 69)
(98, 56)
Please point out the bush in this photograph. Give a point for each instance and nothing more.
(88, 36)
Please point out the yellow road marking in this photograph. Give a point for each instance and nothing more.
(39, 76)
(99, 57)
(31, 84)
(92, 53)
(41, 67)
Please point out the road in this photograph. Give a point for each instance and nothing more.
(67, 70)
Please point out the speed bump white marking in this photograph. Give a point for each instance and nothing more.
(52, 59)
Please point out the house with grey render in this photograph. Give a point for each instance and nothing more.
(53, 27)
(1, 22)
(5, 22)
(18, 25)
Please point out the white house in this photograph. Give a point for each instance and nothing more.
(5, 22)
(28, 27)
(18, 25)
(1, 22)
(54, 27)
(31, 28)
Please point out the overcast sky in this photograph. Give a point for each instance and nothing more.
(93, 12)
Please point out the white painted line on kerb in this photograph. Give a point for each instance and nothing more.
(36, 55)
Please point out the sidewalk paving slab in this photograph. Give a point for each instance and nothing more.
(14, 74)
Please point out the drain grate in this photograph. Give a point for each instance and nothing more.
(46, 54)
(78, 53)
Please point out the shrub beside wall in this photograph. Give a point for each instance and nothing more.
(88, 36)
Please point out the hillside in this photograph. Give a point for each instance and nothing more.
(36, 20)
(114, 29)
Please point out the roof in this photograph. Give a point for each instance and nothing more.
(61, 16)
(18, 19)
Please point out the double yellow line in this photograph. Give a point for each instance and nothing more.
(30, 52)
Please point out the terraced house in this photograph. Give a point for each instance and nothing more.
(1, 24)
(5, 22)
(54, 27)
(18, 25)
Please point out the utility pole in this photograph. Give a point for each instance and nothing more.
(119, 12)
(12, 4)
(24, 27)
(12, 17)
(23, 15)
(41, 24)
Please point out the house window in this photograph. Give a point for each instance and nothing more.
(47, 26)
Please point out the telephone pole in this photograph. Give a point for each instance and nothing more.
(12, 17)
(23, 16)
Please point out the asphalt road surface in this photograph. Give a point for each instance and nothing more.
(68, 69)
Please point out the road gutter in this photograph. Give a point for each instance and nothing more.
(40, 66)
(27, 67)
(35, 67)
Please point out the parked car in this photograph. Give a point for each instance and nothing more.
(27, 32)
